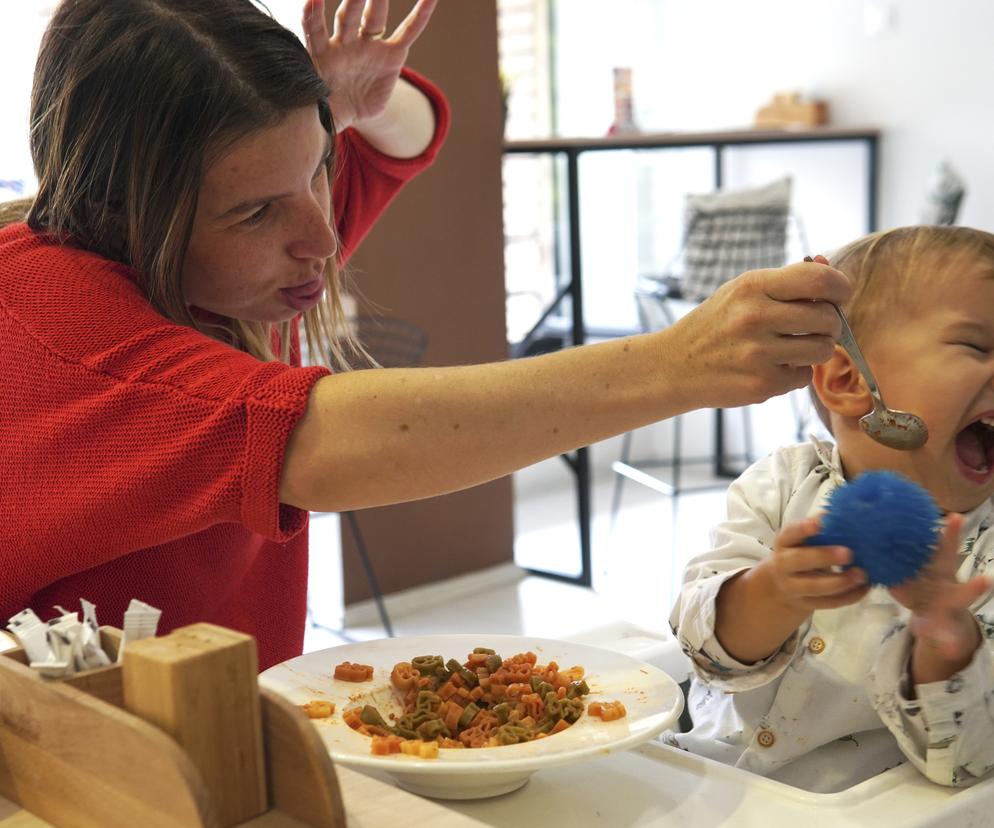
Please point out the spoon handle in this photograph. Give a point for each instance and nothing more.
(848, 341)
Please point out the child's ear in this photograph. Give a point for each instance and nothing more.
(840, 386)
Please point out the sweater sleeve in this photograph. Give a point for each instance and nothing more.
(366, 180)
(739, 543)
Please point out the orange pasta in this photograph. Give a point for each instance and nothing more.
(608, 711)
(484, 701)
(318, 709)
(347, 671)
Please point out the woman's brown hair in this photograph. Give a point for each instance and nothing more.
(132, 100)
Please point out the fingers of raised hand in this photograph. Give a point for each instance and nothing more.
(373, 23)
(315, 26)
(348, 20)
(414, 24)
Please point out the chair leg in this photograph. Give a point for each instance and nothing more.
(800, 416)
(677, 464)
(747, 435)
(374, 585)
(619, 479)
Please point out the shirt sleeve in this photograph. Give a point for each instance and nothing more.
(947, 731)
(738, 544)
(367, 180)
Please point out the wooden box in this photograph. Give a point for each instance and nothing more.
(82, 752)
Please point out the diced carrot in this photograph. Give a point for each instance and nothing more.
(385, 745)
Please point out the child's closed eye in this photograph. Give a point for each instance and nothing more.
(976, 347)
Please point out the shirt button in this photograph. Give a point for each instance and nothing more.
(765, 738)
(816, 645)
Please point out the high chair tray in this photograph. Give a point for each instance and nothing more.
(656, 785)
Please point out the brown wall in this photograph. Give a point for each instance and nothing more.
(436, 258)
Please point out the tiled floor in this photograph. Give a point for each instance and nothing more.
(636, 563)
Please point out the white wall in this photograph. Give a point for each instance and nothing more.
(922, 76)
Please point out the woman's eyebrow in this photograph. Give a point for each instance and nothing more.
(252, 203)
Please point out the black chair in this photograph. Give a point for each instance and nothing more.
(725, 234)
(389, 343)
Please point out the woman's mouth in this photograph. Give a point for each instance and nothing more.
(304, 297)
(975, 450)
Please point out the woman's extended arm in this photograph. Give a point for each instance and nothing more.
(382, 436)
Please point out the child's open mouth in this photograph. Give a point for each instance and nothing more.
(975, 449)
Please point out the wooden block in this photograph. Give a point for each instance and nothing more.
(76, 762)
(199, 684)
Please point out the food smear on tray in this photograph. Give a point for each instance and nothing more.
(485, 701)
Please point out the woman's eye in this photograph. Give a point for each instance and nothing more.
(976, 347)
(257, 216)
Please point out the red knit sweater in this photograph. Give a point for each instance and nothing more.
(141, 458)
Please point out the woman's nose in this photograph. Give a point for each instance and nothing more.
(313, 236)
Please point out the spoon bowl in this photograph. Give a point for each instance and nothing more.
(894, 429)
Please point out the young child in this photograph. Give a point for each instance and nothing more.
(802, 671)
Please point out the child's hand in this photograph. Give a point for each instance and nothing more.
(939, 603)
(806, 577)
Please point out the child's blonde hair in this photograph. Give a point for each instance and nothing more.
(887, 269)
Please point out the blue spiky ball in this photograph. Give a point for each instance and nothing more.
(890, 523)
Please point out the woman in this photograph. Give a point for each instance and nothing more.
(163, 442)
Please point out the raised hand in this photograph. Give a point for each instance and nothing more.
(358, 59)
(940, 607)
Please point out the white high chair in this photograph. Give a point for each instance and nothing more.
(700, 793)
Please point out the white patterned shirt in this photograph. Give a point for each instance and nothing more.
(832, 706)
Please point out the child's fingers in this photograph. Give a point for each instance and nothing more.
(794, 534)
(946, 558)
(963, 595)
(824, 585)
(841, 599)
(799, 559)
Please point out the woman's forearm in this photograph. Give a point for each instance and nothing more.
(407, 125)
(382, 436)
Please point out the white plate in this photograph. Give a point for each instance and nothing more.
(653, 701)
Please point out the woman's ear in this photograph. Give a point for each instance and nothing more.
(841, 387)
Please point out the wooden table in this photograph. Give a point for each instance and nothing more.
(369, 803)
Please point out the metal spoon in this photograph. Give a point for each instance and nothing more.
(894, 429)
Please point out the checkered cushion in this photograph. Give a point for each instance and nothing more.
(729, 232)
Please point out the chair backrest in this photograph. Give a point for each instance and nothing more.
(731, 231)
(393, 343)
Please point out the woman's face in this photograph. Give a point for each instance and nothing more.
(262, 232)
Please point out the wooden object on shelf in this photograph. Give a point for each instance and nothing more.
(788, 109)
(199, 685)
(73, 759)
